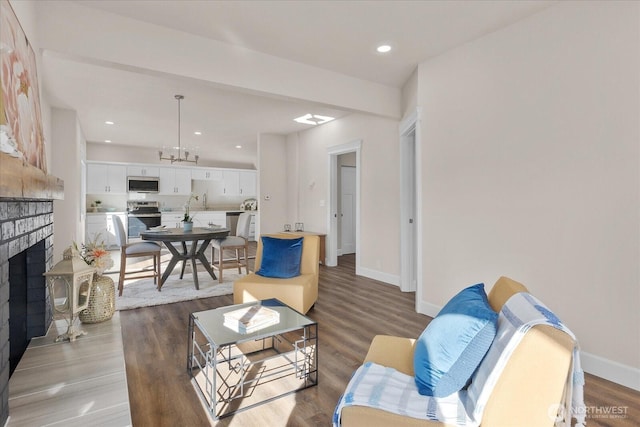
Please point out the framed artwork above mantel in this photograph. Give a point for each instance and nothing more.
(23, 168)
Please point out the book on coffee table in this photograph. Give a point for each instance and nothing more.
(250, 319)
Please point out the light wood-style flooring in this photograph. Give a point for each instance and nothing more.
(350, 311)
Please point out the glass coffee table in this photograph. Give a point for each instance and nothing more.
(234, 370)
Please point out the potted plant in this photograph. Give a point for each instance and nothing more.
(187, 219)
(98, 203)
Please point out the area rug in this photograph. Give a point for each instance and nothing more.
(143, 293)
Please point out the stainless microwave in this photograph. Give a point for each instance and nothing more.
(143, 184)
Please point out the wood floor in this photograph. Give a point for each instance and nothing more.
(350, 311)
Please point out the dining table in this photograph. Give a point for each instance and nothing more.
(191, 246)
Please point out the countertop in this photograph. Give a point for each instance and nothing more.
(176, 210)
(203, 210)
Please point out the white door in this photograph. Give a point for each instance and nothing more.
(348, 210)
(408, 211)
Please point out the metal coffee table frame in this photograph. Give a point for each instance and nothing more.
(223, 363)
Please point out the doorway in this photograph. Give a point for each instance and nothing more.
(336, 207)
(347, 205)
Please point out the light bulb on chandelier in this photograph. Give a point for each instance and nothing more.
(172, 157)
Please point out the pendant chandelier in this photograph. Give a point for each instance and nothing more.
(172, 157)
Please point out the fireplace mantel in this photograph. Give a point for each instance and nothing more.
(20, 180)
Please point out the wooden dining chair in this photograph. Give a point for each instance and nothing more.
(239, 242)
(135, 250)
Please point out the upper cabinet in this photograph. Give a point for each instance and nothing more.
(175, 182)
(231, 183)
(239, 183)
(205, 174)
(248, 186)
(143, 170)
(106, 178)
(111, 178)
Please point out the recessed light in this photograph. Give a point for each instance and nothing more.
(197, 132)
(238, 146)
(109, 122)
(384, 48)
(322, 119)
(313, 119)
(108, 141)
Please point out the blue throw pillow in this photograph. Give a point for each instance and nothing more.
(452, 346)
(280, 257)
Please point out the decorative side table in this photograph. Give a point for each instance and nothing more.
(102, 302)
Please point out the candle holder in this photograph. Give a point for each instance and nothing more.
(70, 280)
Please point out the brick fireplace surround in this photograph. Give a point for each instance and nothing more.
(23, 224)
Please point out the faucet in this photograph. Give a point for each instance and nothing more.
(204, 201)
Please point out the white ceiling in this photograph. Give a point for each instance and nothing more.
(340, 36)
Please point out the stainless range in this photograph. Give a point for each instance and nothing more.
(141, 216)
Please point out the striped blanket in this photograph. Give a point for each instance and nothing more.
(384, 388)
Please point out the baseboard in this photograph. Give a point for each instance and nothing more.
(391, 279)
(428, 309)
(618, 373)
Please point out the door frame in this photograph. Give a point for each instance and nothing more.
(408, 126)
(332, 212)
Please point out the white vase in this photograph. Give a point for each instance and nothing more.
(102, 302)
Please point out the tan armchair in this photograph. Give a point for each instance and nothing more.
(299, 293)
(531, 384)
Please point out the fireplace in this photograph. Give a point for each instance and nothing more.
(27, 300)
(26, 251)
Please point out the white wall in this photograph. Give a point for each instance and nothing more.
(272, 183)
(410, 93)
(379, 196)
(68, 152)
(531, 167)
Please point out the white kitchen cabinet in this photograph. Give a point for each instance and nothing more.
(239, 183)
(175, 181)
(252, 229)
(102, 224)
(105, 178)
(171, 219)
(247, 183)
(206, 218)
(231, 181)
(206, 174)
(143, 170)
